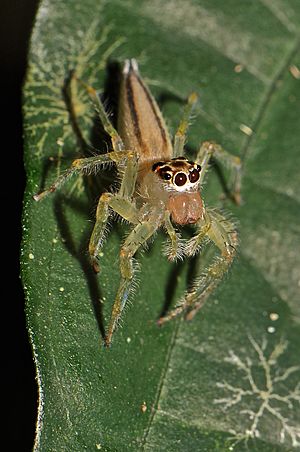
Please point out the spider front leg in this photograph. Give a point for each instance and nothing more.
(91, 164)
(174, 248)
(122, 207)
(209, 149)
(121, 203)
(197, 241)
(139, 236)
(222, 232)
(87, 166)
(180, 135)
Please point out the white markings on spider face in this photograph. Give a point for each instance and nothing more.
(265, 388)
(178, 174)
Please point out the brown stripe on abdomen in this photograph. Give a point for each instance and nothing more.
(133, 110)
(157, 118)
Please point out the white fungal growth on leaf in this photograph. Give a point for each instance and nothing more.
(272, 401)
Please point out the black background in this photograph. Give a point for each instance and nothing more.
(19, 387)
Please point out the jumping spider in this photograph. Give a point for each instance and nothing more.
(159, 188)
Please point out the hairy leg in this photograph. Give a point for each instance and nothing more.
(209, 149)
(117, 142)
(87, 166)
(174, 248)
(180, 136)
(121, 203)
(123, 207)
(139, 236)
(223, 234)
(194, 244)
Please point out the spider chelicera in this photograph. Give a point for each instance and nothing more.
(159, 187)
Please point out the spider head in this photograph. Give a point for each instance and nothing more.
(178, 174)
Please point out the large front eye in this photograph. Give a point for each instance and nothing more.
(167, 176)
(194, 175)
(180, 179)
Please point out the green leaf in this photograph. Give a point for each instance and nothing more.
(228, 379)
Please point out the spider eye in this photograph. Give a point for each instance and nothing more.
(157, 165)
(167, 176)
(194, 175)
(180, 179)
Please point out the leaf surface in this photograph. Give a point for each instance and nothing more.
(228, 379)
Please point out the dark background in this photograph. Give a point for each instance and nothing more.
(19, 388)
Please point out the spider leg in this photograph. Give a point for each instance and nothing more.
(86, 165)
(117, 142)
(120, 203)
(223, 234)
(209, 149)
(125, 208)
(194, 244)
(174, 249)
(180, 136)
(138, 236)
(92, 163)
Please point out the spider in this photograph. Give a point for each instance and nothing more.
(159, 187)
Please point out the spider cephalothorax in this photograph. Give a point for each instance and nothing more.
(158, 189)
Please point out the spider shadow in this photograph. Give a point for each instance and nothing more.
(195, 265)
(174, 274)
(79, 251)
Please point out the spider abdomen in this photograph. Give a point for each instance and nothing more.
(186, 207)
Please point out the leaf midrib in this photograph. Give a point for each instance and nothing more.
(161, 381)
(270, 91)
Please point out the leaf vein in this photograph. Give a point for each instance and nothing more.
(262, 108)
(279, 14)
(161, 383)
